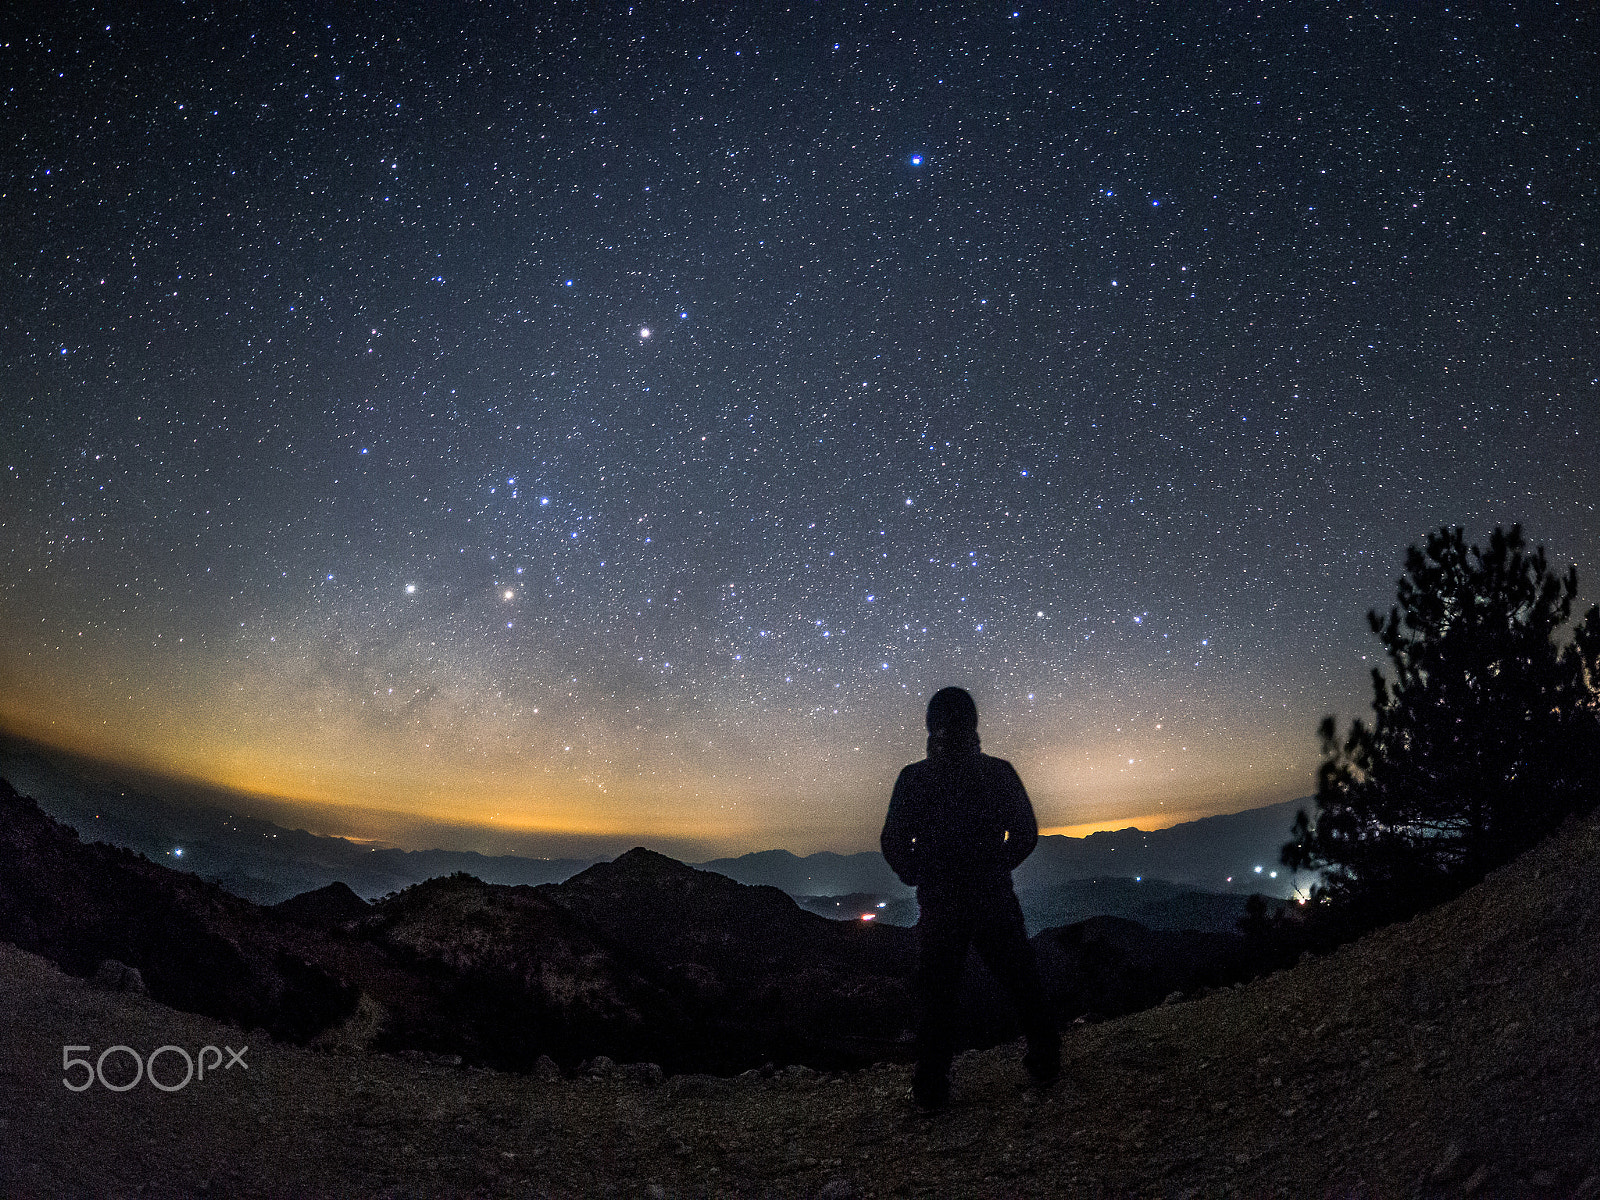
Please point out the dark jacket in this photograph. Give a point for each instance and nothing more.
(959, 822)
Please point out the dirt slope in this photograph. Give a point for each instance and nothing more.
(1455, 1054)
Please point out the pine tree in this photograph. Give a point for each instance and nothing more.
(1485, 732)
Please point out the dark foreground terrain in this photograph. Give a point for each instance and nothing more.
(1451, 1055)
(641, 960)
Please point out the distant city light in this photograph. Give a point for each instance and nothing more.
(868, 916)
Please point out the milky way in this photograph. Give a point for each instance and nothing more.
(609, 420)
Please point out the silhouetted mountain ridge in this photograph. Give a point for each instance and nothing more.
(326, 908)
(268, 863)
(643, 959)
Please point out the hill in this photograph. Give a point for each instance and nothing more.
(1211, 854)
(822, 874)
(1154, 903)
(643, 958)
(1449, 1055)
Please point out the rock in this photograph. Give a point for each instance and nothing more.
(545, 1069)
(1173, 998)
(356, 1032)
(837, 1189)
(598, 1067)
(114, 976)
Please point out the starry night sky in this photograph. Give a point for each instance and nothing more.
(565, 420)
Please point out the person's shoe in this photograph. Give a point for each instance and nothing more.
(928, 1104)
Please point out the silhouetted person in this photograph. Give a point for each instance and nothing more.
(959, 823)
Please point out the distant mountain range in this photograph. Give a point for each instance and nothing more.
(1194, 875)
(1153, 903)
(1213, 854)
(250, 857)
(821, 874)
(1197, 875)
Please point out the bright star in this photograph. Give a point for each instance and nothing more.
(916, 160)
(411, 589)
(644, 333)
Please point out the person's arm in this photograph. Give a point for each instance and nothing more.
(1021, 825)
(898, 840)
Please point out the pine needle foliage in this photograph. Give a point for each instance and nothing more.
(1484, 737)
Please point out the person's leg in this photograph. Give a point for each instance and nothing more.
(943, 932)
(1001, 939)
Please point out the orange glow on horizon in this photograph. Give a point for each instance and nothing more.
(1149, 822)
(465, 773)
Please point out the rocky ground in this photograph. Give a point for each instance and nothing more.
(1455, 1054)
